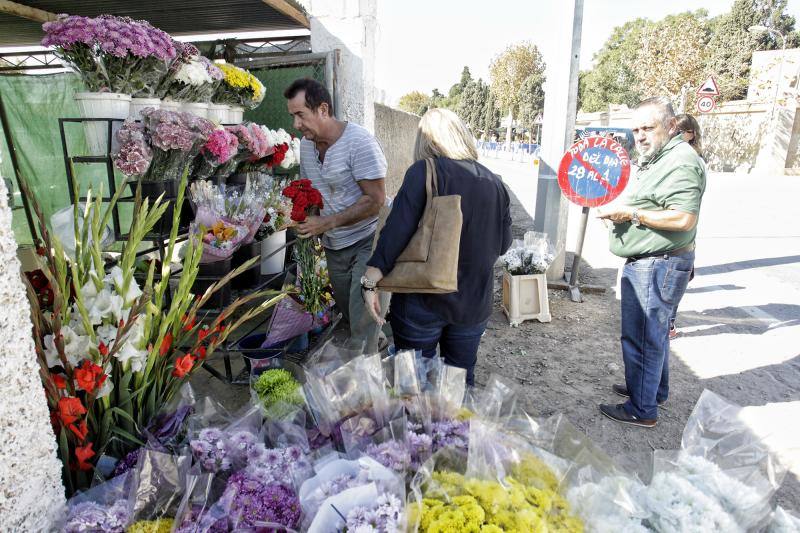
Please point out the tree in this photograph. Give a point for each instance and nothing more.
(415, 102)
(458, 88)
(666, 62)
(471, 105)
(613, 79)
(731, 46)
(531, 100)
(508, 71)
(491, 114)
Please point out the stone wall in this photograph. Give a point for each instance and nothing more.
(31, 493)
(396, 131)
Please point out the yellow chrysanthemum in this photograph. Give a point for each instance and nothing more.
(162, 525)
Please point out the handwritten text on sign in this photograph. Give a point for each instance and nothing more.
(594, 171)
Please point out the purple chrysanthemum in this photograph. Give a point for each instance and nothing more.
(254, 501)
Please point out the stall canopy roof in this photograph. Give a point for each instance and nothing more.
(21, 22)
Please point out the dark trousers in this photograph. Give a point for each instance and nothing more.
(415, 327)
(651, 289)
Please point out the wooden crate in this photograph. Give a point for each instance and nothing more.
(525, 298)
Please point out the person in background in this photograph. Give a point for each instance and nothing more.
(654, 229)
(345, 162)
(455, 321)
(690, 132)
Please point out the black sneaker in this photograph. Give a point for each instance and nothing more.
(622, 390)
(618, 413)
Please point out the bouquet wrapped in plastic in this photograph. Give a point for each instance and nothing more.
(531, 256)
(105, 507)
(220, 234)
(253, 145)
(287, 149)
(238, 87)
(218, 149)
(195, 80)
(115, 54)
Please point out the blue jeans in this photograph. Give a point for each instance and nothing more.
(415, 327)
(651, 290)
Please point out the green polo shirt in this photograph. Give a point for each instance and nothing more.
(674, 179)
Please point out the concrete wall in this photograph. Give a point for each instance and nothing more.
(396, 132)
(30, 473)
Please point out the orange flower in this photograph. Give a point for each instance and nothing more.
(165, 344)
(89, 376)
(183, 365)
(82, 454)
(222, 231)
(80, 431)
(70, 409)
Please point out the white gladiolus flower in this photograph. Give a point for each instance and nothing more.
(117, 278)
(107, 306)
(76, 347)
(193, 73)
(131, 357)
(107, 333)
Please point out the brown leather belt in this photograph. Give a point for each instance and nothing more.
(665, 255)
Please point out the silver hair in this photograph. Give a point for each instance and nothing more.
(664, 106)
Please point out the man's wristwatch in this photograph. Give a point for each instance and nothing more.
(635, 218)
(368, 284)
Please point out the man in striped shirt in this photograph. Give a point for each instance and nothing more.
(345, 162)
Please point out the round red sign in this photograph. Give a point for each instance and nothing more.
(594, 171)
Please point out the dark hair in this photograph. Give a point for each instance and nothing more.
(689, 123)
(316, 93)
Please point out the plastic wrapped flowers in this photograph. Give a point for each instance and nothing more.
(238, 87)
(531, 256)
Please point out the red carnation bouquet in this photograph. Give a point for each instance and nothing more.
(306, 200)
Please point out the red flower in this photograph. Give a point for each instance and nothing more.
(80, 431)
(187, 325)
(201, 352)
(183, 365)
(70, 409)
(37, 279)
(82, 454)
(121, 323)
(278, 157)
(103, 349)
(202, 333)
(60, 381)
(166, 343)
(89, 376)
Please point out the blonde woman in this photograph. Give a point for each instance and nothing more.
(454, 322)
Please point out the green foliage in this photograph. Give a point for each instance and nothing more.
(531, 99)
(415, 102)
(277, 386)
(510, 69)
(472, 104)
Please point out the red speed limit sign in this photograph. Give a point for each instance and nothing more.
(705, 104)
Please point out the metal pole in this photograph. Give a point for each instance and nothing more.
(17, 172)
(574, 288)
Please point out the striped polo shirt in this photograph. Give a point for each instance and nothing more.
(355, 156)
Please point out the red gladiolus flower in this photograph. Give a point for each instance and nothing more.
(121, 323)
(83, 454)
(202, 333)
(103, 349)
(201, 352)
(166, 343)
(89, 376)
(60, 381)
(188, 325)
(183, 365)
(70, 409)
(80, 431)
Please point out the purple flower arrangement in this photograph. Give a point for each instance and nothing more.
(170, 140)
(211, 450)
(392, 454)
(450, 434)
(198, 518)
(255, 501)
(385, 516)
(112, 54)
(287, 466)
(90, 516)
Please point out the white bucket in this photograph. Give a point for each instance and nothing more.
(101, 105)
(137, 104)
(171, 105)
(235, 114)
(273, 264)
(196, 108)
(218, 113)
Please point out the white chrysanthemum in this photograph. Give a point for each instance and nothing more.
(193, 73)
(609, 506)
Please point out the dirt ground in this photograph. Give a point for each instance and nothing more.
(568, 366)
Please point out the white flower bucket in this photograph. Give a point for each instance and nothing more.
(137, 104)
(171, 105)
(101, 105)
(196, 108)
(273, 264)
(235, 114)
(218, 113)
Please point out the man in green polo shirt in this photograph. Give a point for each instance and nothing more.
(655, 224)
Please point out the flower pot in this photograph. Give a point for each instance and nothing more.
(273, 263)
(171, 105)
(252, 276)
(137, 104)
(102, 105)
(196, 108)
(218, 113)
(235, 114)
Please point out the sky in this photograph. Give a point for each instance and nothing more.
(425, 44)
